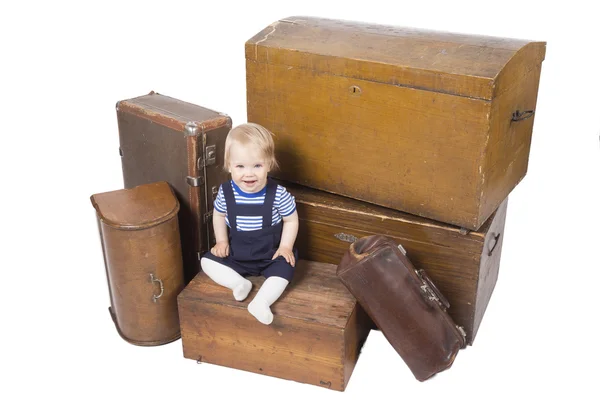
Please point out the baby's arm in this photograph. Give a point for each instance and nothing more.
(221, 249)
(288, 238)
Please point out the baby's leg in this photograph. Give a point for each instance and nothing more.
(225, 276)
(268, 294)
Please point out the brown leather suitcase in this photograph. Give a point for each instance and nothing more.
(165, 139)
(142, 254)
(464, 264)
(403, 303)
(431, 123)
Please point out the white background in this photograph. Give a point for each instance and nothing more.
(64, 66)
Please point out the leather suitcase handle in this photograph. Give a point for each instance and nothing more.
(363, 246)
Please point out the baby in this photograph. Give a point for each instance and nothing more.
(262, 220)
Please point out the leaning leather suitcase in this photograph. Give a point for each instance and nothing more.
(463, 264)
(142, 255)
(431, 123)
(165, 139)
(403, 303)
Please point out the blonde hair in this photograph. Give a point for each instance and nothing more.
(255, 134)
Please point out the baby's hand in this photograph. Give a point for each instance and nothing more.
(221, 249)
(286, 253)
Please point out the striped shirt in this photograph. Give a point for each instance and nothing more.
(283, 206)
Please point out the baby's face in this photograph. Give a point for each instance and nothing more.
(248, 167)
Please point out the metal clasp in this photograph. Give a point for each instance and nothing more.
(210, 156)
(430, 294)
(344, 237)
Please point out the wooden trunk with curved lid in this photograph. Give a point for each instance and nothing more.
(435, 124)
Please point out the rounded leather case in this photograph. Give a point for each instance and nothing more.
(142, 253)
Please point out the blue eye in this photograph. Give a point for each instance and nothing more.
(239, 166)
(258, 166)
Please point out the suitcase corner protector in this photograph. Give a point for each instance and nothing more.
(191, 128)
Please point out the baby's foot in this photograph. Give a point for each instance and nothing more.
(261, 311)
(240, 292)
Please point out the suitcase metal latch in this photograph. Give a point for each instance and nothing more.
(210, 155)
(431, 291)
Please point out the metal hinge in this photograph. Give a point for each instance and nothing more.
(402, 250)
(208, 215)
(194, 180)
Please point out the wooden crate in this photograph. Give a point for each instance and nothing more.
(316, 335)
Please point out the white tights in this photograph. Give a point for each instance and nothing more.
(260, 306)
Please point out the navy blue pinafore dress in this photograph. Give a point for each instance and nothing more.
(251, 252)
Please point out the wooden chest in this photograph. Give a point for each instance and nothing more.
(434, 124)
(464, 265)
(315, 337)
